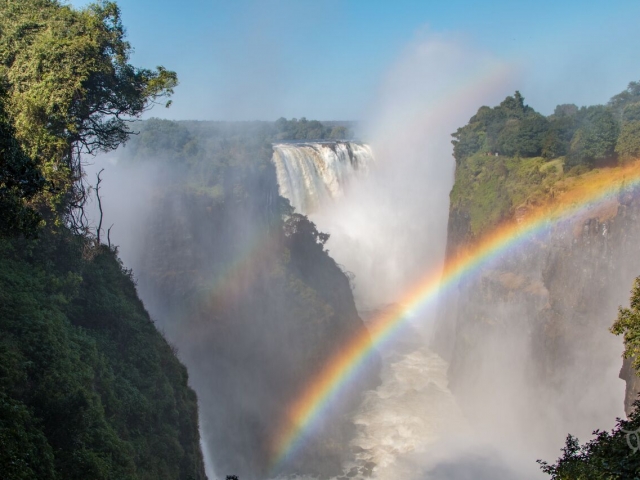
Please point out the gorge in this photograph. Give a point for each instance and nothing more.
(428, 293)
(495, 342)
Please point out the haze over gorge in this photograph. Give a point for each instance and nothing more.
(440, 280)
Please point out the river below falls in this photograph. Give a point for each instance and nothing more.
(408, 413)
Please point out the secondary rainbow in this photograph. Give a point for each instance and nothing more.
(305, 413)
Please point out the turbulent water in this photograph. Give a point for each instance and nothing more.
(311, 174)
(406, 415)
(412, 409)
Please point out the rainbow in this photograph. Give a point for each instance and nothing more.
(306, 413)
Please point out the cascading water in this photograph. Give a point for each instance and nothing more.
(311, 174)
(412, 408)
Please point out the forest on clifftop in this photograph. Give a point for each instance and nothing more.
(510, 157)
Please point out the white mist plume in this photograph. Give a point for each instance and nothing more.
(391, 229)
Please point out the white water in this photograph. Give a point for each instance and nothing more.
(412, 411)
(312, 174)
(411, 426)
(409, 413)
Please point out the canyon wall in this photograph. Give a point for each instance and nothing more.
(528, 338)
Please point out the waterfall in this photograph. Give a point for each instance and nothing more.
(312, 174)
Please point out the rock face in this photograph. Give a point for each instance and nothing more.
(540, 316)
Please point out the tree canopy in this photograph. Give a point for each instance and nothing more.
(20, 180)
(583, 136)
(628, 325)
(304, 129)
(69, 89)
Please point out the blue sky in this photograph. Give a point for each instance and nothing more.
(326, 59)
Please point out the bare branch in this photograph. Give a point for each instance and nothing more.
(99, 229)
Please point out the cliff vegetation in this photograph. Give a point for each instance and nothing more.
(610, 455)
(88, 387)
(511, 157)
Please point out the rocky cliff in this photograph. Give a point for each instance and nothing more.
(540, 316)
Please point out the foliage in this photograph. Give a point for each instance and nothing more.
(628, 325)
(628, 145)
(524, 138)
(299, 227)
(304, 129)
(501, 153)
(93, 390)
(20, 180)
(631, 113)
(511, 128)
(562, 126)
(70, 89)
(488, 189)
(609, 456)
(586, 135)
(88, 386)
(595, 139)
(629, 96)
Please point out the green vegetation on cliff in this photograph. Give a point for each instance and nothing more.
(68, 88)
(490, 188)
(509, 157)
(88, 387)
(628, 325)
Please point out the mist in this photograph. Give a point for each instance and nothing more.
(391, 228)
(251, 304)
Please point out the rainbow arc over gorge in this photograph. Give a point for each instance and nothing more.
(307, 411)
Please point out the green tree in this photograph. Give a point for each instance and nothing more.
(71, 89)
(608, 456)
(628, 146)
(631, 112)
(339, 133)
(628, 325)
(563, 124)
(512, 128)
(88, 387)
(565, 110)
(596, 138)
(524, 137)
(630, 95)
(20, 181)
